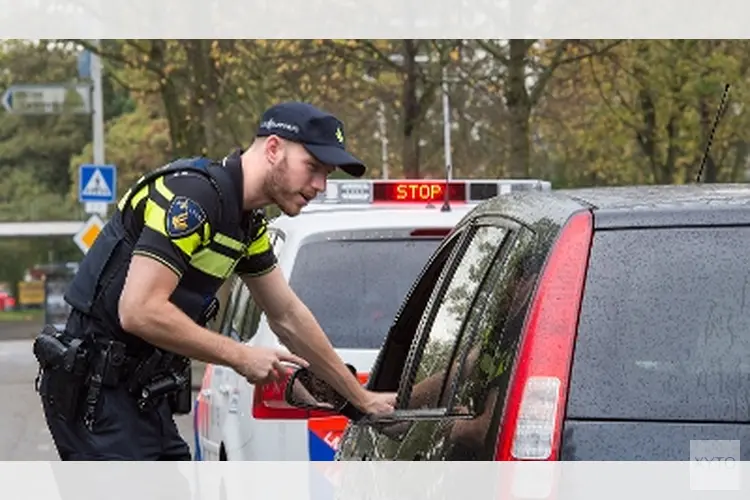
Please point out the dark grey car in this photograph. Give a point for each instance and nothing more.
(592, 324)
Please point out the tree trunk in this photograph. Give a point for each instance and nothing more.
(205, 110)
(171, 101)
(411, 112)
(519, 109)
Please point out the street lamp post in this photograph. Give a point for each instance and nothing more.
(447, 126)
(382, 129)
(383, 138)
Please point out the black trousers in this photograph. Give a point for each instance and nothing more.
(121, 431)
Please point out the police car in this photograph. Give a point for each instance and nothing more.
(351, 255)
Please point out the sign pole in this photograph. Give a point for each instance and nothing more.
(447, 126)
(97, 117)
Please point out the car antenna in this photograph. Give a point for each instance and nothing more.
(719, 114)
(447, 197)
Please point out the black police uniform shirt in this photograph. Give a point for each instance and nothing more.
(174, 215)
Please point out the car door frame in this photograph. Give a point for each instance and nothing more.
(413, 358)
(386, 375)
(380, 379)
(422, 337)
(396, 425)
(253, 313)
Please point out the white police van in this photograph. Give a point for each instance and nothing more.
(351, 256)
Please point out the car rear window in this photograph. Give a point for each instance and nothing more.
(355, 287)
(664, 330)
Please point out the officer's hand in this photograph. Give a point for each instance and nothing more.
(261, 365)
(379, 403)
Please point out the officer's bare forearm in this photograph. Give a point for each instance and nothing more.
(301, 333)
(164, 325)
(298, 329)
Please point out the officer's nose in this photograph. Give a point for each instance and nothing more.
(319, 181)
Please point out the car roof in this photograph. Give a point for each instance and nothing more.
(629, 206)
(667, 205)
(682, 195)
(324, 218)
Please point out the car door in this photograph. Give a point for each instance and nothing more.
(209, 398)
(447, 401)
(221, 394)
(221, 378)
(240, 399)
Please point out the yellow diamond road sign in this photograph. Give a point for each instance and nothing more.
(85, 237)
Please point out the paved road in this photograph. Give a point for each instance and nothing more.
(19, 330)
(23, 433)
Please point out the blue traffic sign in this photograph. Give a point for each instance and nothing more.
(97, 183)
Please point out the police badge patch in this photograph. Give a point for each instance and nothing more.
(184, 217)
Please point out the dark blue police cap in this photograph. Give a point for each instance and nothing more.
(321, 133)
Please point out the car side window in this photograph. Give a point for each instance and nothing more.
(253, 313)
(393, 355)
(238, 318)
(434, 349)
(277, 240)
(493, 332)
(227, 311)
(252, 321)
(487, 351)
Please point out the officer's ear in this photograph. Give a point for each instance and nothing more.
(273, 149)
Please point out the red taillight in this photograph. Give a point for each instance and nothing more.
(535, 408)
(269, 403)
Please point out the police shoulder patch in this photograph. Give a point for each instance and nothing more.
(184, 217)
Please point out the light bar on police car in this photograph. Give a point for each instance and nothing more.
(425, 191)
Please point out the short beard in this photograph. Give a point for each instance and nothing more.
(274, 187)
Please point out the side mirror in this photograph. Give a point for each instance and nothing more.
(306, 391)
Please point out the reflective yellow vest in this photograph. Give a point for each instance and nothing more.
(96, 288)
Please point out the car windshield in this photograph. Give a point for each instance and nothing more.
(355, 287)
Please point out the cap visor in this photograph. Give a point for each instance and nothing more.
(331, 155)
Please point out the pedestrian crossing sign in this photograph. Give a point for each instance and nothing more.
(97, 183)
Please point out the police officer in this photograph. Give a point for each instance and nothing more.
(145, 291)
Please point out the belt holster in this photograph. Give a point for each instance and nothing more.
(181, 401)
(162, 375)
(66, 360)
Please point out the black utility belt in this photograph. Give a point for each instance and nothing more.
(107, 359)
(87, 365)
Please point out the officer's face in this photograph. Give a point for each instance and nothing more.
(296, 178)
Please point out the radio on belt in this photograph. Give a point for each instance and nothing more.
(424, 191)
